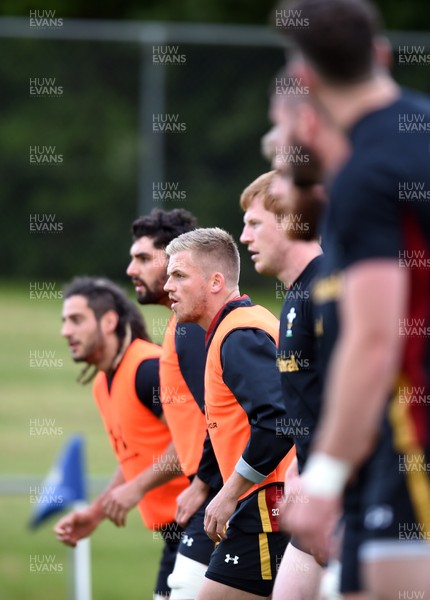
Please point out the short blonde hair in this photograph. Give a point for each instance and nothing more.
(214, 244)
(304, 203)
(259, 187)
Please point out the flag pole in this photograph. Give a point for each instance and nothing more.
(81, 559)
(66, 479)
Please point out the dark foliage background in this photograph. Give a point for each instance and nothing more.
(220, 93)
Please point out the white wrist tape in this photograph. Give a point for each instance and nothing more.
(325, 476)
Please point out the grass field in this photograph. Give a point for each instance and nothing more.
(123, 560)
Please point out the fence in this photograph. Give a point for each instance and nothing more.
(105, 120)
(100, 122)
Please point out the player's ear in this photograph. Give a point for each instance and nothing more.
(383, 52)
(217, 282)
(109, 321)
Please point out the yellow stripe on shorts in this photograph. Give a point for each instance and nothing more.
(266, 567)
(264, 512)
(405, 442)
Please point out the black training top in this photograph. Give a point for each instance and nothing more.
(298, 361)
(190, 348)
(380, 209)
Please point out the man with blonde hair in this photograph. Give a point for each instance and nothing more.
(269, 226)
(244, 403)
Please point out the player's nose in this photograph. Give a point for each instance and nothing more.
(65, 329)
(131, 269)
(168, 286)
(245, 236)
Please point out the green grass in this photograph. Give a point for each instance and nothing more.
(124, 561)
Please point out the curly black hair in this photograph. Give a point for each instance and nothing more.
(163, 226)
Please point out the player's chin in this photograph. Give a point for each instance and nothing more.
(181, 315)
(262, 269)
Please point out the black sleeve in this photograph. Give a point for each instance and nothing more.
(148, 385)
(190, 348)
(249, 370)
(208, 470)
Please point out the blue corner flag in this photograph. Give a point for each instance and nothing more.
(64, 484)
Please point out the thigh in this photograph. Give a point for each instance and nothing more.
(397, 499)
(403, 578)
(395, 554)
(214, 590)
(298, 576)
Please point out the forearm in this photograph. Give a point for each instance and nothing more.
(200, 486)
(164, 470)
(96, 505)
(236, 485)
(359, 381)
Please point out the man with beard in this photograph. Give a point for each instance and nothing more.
(374, 432)
(106, 331)
(182, 394)
(301, 123)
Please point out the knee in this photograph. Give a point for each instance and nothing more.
(186, 578)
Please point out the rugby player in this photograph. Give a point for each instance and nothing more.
(267, 233)
(182, 366)
(106, 331)
(375, 427)
(243, 400)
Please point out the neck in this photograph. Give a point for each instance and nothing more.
(296, 262)
(108, 355)
(210, 314)
(347, 105)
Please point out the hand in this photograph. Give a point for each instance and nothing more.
(312, 519)
(120, 500)
(217, 513)
(190, 500)
(76, 525)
